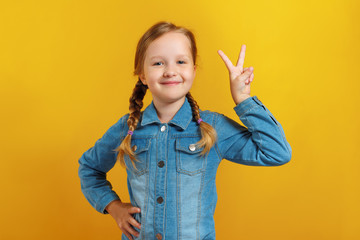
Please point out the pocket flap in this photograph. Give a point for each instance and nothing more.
(188, 145)
(140, 145)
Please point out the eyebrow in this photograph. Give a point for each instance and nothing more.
(180, 55)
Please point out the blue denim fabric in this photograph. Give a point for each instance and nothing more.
(186, 181)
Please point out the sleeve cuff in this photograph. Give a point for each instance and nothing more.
(247, 104)
(104, 201)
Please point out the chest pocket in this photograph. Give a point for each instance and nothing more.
(188, 158)
(140, 147)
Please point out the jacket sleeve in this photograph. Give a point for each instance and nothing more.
(95, 163)
(262, 143)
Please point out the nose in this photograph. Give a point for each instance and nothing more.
(170, 71)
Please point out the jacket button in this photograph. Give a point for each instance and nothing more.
(161, 164)
(158, 236)
(159, 200)
(192, 147)
(134, 148)
(162, 128)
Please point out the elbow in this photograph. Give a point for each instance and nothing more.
(285, 160)
(284, 157)
(284, 154)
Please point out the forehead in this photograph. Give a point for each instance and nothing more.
(169, 44)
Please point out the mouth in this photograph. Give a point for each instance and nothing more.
(171, 83)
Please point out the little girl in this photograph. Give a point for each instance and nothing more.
(172, 149)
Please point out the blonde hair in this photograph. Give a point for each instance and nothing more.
(208, 133)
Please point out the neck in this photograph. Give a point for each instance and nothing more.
(166, 111)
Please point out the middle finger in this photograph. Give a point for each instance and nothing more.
(131, 230)
(241, 59)
(135, 223)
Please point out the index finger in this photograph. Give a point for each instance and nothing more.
(134, 210)
(241, 59)
(227, 61)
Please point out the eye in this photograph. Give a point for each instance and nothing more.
(182, 62)
(156, 63)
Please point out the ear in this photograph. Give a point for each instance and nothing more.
(142, 78)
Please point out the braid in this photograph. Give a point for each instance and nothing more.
(136, 104)
(208, 133)
(194, 106)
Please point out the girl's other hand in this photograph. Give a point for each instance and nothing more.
(240, 78)
(122, 213)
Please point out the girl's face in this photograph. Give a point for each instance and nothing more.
(169, 70)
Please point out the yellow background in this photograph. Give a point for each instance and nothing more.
(66, 77)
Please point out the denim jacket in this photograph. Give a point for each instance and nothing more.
(173, 185)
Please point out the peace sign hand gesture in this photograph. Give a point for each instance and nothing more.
(240, 78)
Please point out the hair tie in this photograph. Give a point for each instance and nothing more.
(199, 121)
(130, 132)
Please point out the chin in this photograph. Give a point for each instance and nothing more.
(172, 99)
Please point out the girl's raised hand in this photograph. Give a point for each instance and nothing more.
(240, 78)
(122, 212)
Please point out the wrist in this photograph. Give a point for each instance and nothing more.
(109, 208)
(241, 98)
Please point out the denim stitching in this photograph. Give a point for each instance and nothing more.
(255, 106)
(281, 130)
(185, 127)
(123, 125)
(213, 125)
(216, 121)
(199, 206)
(98, 204)
(142, 136)
(165, 187)
(177, 201)
(207, 235)
(283, 136)
(278, 127)
(157, 143)
(183, 148)
(191, 173)
(181, 135)
(247, 120)
(146, 203)
(196, 156)
(146, 169)
(216, 142)
(178, 178)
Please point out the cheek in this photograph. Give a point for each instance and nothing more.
(190, 75)
(154, 74)
(189, 81)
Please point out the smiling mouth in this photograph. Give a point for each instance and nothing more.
(170, 83)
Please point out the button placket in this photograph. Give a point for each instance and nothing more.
(163, 128)
(161, 164)
(160, 192)
(159, 200)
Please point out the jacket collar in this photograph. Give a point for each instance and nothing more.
(182, 117)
